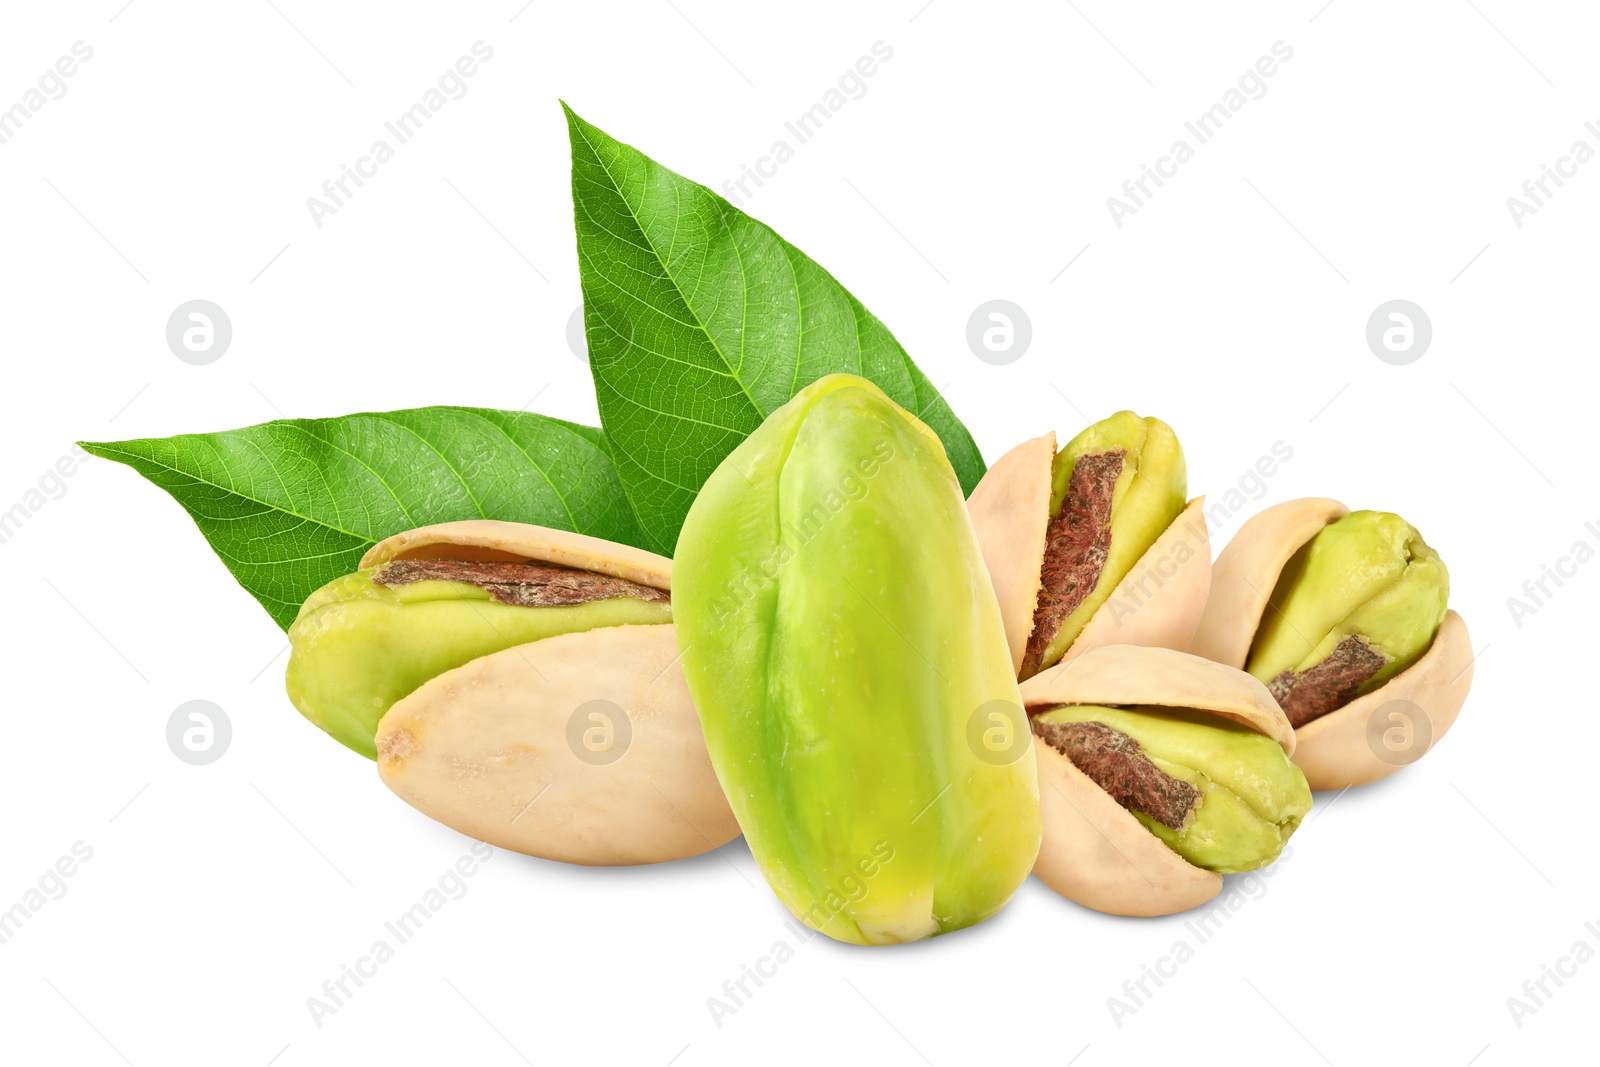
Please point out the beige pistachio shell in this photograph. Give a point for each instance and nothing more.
(1094, 851)
(492, 539)
(501, 749)
(1335, 750)
(1157, 604)
(1351, 746)
(1128, 674)
(1247, 571)
(1010, 510)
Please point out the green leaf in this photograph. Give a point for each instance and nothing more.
(702, 321)
(290, 505)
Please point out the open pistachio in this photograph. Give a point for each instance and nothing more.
(430, 600)
(1343, 615)
(519, 685)
(841, 639)
(1159, 772)
(1093, 545)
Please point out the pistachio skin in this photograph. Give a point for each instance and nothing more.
(1367, 574)
(1150, 493)
(1253, 797)
(839, 635)
(356, 647)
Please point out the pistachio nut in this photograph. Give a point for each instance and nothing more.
(433, 599)
(1093, 545)
(520, 685)
(1158, 773)
(841, 639)
(1343, 615)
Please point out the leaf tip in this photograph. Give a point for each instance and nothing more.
(574, 120)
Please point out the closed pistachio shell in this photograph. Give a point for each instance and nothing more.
(583, 748)
(1094, 851)
(1356, 743)
(1157, 603)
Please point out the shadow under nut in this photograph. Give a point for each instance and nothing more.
(492, 749)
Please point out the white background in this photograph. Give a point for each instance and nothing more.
(976, 166)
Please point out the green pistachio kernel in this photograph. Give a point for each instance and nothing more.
(1219, 794)
(1115, 488)
(1356, 605)
(359, 645)
(843, 646)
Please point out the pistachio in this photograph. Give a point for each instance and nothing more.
(1159, 772)
(840, 637)
(1093, 545)
(368, 639)
(1343, 615)
(520, 685)
(1356, 605)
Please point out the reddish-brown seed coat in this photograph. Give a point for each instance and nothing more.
(1117, 764)
(1327, 686)
(534, 585)
(1077, 543)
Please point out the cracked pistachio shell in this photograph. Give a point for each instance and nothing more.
(357, 647)
(1344, 747)
(840, 637)
(1095, 852)
(1153, 587)
(501, 745)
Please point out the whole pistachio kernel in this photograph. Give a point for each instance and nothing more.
(1221, 795)
(840, 637)
(368, 639)
(1115, 488)
(1356, 605)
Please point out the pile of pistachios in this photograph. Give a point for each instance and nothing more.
(904, 700)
